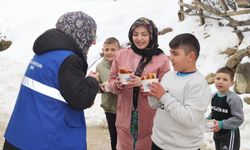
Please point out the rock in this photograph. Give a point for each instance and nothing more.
(164, 31)
(210, 78)
(243, 3)
(235, 59)
(206, 36)
(242, 78)
(232, 62)
(229, 51)
(4, 45)
(247, 100)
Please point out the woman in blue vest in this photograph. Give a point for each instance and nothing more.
(55, 90)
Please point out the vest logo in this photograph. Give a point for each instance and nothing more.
(224, 147)
(34, 64)
(218, 109)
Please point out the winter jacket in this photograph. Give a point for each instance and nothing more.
(48, 114)
(126, 58)
(109, 100)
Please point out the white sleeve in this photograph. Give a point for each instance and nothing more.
(153, 102)
(196, 101)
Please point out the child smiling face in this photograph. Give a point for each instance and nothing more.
(109, 51)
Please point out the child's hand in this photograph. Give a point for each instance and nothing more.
(216, 127)
(119, 83)
(142, 91)
(94, 75)
(156, 90)
(135, 81)
(104, 87)
(101, 88)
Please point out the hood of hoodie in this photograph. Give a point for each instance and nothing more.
(54, 39)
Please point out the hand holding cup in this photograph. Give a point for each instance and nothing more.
(94, 75)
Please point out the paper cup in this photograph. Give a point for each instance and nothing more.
(146, 82)
(208, 125)
(124, 78)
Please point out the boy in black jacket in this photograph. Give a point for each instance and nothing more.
(226, 111)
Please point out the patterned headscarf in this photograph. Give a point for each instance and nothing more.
(147, 53)
(153, 31)
(80, 26)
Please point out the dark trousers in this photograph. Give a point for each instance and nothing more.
(8, 146)
(227, 140)
(112, 129)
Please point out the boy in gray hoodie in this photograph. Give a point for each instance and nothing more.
(226, 112)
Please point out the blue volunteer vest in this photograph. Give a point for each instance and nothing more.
(42, 119)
